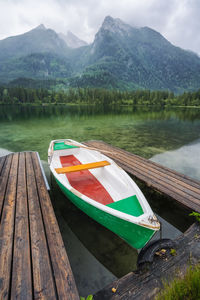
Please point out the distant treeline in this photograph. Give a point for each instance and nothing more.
(18, 95)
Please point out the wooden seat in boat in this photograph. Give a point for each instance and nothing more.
(81, 167)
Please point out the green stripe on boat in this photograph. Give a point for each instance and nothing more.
(137, 236)
(128, 205)
(62, 145)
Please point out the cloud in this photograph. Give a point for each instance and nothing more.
(177, 20)
(182, 28)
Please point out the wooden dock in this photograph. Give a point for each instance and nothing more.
(184, 190)
(33, 260)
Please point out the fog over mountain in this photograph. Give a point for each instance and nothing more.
(72, 40)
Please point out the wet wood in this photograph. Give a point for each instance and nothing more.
(185, 190)
(42, 273)
(7, 230)
(145, 283)
(33, 260)
(2, 161)
(4, 181)
(21, 273)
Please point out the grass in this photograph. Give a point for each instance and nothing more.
(184, 288)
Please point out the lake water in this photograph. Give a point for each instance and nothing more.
(170, 137)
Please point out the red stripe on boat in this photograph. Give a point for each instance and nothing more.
(85, 182)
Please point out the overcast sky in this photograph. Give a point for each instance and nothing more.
(177, 20)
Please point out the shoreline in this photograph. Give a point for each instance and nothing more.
(94, 104)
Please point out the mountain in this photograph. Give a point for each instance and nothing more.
(39, 53)
(38, 40)
(121, 56)
(72, 40)
(140, 58)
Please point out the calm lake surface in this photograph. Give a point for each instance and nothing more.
(170, 137)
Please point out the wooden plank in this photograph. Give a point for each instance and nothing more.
(21, 286)
(65, 283)
(7, 230)
(43, 281)
(4, 181)
(93, 165)
(2, 161)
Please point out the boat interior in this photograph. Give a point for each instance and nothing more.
(107, 184)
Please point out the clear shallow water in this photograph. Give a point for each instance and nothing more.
(143, 132)
(170, 137)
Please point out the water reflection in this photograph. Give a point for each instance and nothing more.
(20, 112)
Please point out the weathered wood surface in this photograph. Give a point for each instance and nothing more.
(21, 270)
(33, 260)
(145, 284)
(184, 190)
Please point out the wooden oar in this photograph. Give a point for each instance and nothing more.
(89, 148)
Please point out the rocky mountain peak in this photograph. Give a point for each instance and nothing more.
(110, 27)
(115, 25)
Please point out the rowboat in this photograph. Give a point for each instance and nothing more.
(104, 191)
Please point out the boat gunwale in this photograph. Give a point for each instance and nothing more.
(142, 220)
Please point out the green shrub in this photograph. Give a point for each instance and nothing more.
(196, 215)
